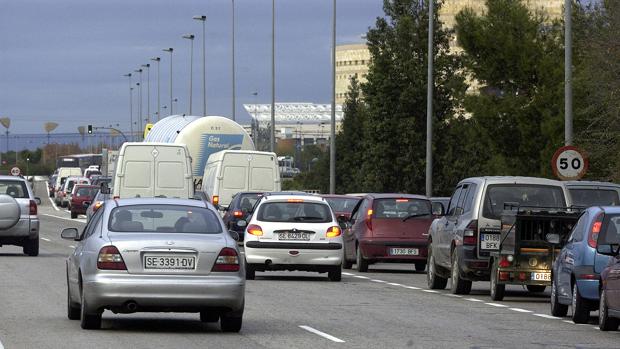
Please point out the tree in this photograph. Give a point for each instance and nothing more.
(516, 57)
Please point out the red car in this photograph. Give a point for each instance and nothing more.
(342, 205)
(388, 228)
(82, 194)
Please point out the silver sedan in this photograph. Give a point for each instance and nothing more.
(155, 255)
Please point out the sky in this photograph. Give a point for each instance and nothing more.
(63, 61)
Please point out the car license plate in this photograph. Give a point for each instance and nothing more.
(489, 241)
(541, 276)
(294, 236)
(396, 251)
(169, 262)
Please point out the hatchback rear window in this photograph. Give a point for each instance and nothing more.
(164, 219)
(401, 208)
(520, 194)
(16, 189)
(294, 211)
(81, 192)
(594, 197)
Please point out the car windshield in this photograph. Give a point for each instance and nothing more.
(295, 211)
(16, 189)
(594, 197)
(611, 230)
(86, 192)
(247, 201)
(401, 208)
(523, 195)
(164, 219)
(342, 204)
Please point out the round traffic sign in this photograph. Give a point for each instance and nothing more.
(569, 163)
(15, 171)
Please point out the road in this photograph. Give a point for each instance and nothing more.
(389, 307)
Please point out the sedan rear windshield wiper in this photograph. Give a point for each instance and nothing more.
(303, 218)
(416, 215)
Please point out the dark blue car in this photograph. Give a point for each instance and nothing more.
(576, 272)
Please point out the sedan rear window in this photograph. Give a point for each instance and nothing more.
(520, 194)
(164, 219)
(401, 208)
(16, 189)
(295, 211)
(594, 197)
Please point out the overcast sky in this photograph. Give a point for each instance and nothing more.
(64, 60)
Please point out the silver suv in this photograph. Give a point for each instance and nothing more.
(19, 223)
(461, 241)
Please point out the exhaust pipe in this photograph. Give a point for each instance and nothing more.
(131, 306)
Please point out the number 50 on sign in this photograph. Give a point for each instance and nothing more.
(569, 163)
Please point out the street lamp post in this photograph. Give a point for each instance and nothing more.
(233, 60)
(332, 136)
(128, 75)
(157, 59)
(568, 73)
(170, 50)
(273, 77)
(190, 37)
(429, 102)
(140, 97)
(203, 19)
(148, 92)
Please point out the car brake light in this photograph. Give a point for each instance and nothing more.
(238, 214)
(469, 234)
(110, 259)
(596, 229)
(215, 199)
(333, 232)
(227, 260)
(294, 200)
(255, 230)
(402, 200)
(504, 262)
(33, 208)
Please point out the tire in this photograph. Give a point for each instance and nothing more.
(346, 264)
(557, 308)
(362, 263)
(434, 281)
(420, 266)
(606, 323)
(335, 274)
(207, 316)
(73, 215)
(89, 320)
(581, 312)
(497, 290)
(459, 285)
(536, 288)
(250, 272)
(73, 312)
(230, 323)
(31, 247)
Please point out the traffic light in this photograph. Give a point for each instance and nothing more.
(90, 129)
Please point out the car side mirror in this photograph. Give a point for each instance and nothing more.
(234, 235)
(70, 234)
(438, 209)
(242, 223)
(104, 188)
(37, 200)
(86, 204)
(608, 249)
(553, 239)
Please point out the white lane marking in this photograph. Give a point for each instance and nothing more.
(80, 220)
(393, 284)
(46, 239)
(412, 287)
(430, 291)
(322, 334)
(568, 321)
(380, 281)
(496, 305)
(520, 310)
(596, 328)
(1, 346)
(452, 295)
(52, 201)
(547, 316)
(361, 277)
(348, 274)
(71, 246)
(473, 300)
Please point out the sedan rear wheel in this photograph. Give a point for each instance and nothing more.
(459, 285)
(606, 323)
(335, 274)
(250, 272)
(434, 281)
(230, 323)
(362, 263)
(90, 320)
(346, 264)
(31, 247)
(73, 311)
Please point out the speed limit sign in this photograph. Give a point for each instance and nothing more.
(569, 163)
(15, 171)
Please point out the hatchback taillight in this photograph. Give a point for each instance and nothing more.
(33, 208)
(596, 229)
(333, 232)
(255, 230)
(470, 232)
(110, 259)
(227, 260)
(237, 214)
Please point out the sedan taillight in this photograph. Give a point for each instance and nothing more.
(255, 230)
(333, 232)
(110, 259)
(227, 260)
(33, 208)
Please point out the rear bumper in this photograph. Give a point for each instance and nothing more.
(165, 293)
(472, 267)
(25, 228)
(589, 289)
(277, 255)
(514, 279)
(76, 207)
(380, 250)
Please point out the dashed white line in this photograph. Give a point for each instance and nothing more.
(430, 291)
(52, 201)
(46, 239)
(63, 218)
(71, 246)
(361, 277)
(547, 316)
(412, 287)
(497, 305)
(379, 281)
(452, 295)
(473, 300)
(1, 346)
(393, 284)
(520, 310)
(317, 332)
(347, 274)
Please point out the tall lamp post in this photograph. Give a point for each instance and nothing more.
(140, 97)
(203, 19)
(157, 59)
(429, 102)
(332, 136)
(170, 50)
(568, 73)
(148, 92)
(190, 37)
(128, 75)
(233, 61)
(272, 144)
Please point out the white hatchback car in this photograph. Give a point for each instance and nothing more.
(293, 232)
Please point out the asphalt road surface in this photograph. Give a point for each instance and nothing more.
(389, 307)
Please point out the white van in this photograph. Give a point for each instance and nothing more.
(64, 173)
(229, 172)
(153, 169)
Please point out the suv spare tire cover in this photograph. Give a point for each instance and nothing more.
(9, 212)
